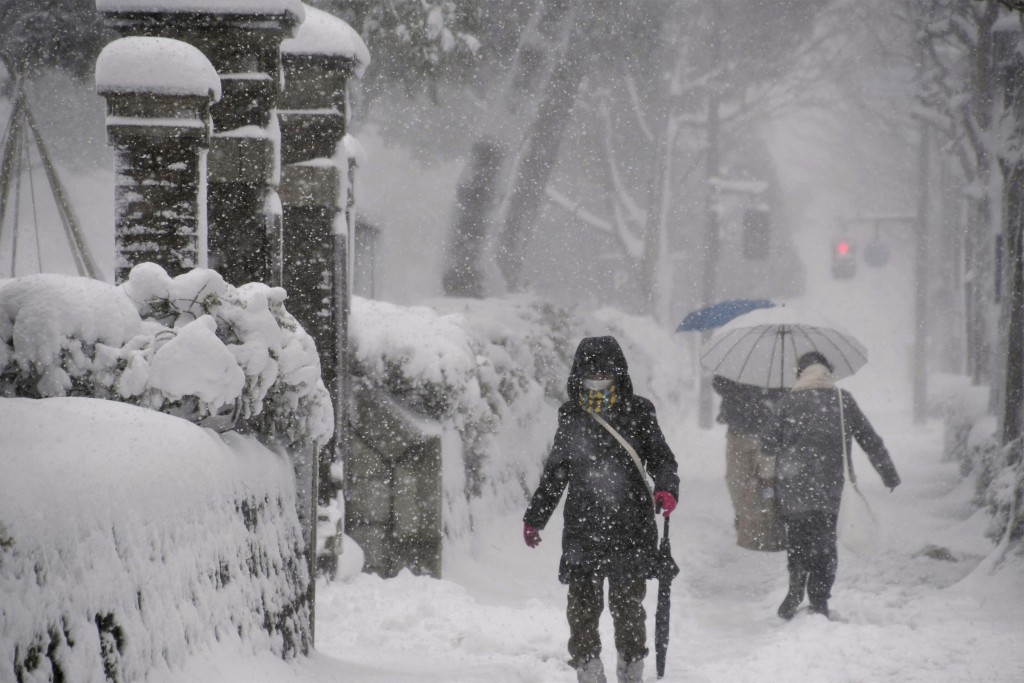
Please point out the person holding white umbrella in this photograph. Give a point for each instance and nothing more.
(809, 437)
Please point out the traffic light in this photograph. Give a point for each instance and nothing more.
(757, 234)
(844, 259)
(876, 254)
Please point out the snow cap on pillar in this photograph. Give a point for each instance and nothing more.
(161, 66)
(327, 35)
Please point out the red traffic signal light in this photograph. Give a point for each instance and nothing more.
(844, 259)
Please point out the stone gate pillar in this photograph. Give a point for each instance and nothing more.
(315, 194)
(242, 42)
(158, 92)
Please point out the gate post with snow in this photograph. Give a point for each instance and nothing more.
(315, 191)
(242, 42)
(158, 92)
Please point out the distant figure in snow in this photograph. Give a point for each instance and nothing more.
(806, 441)
(610, 530)
(746, 410)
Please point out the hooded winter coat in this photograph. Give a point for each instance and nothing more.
(805, 438)
(609, 518)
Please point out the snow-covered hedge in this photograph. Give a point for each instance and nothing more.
(493, 373)
(972, 440)
(192, 346)
(130, 540)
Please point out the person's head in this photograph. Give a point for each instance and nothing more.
(811, 358)
(598, 364)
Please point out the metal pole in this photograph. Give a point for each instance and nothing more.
(84, 261)
(705, 397)
(920, 377)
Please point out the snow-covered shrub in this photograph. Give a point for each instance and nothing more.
(972, 439)
(192, 346)
(1000, 488)
(968, 429)
(62, 335)
(130, 540)
(492, 372)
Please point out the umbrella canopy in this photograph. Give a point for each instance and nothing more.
(716, 315)
(762, 347)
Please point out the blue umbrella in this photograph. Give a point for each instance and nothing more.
(719, 314)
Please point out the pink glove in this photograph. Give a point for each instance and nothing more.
(665, 501)
(531, 535)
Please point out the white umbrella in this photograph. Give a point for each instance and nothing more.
(762, 347)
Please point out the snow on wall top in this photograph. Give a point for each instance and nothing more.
(157, 65)
(324, 34)
(294, 7)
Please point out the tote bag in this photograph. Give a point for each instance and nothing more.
(857, 527)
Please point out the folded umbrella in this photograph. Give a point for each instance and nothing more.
(666, 572)
(762, 347)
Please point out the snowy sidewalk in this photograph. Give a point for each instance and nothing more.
(902, 616)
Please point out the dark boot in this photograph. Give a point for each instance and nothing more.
(797, 581)
(819, 583)
(591, 672)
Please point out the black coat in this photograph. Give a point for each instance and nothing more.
(746, 408)
(609, 519)
(805, 439)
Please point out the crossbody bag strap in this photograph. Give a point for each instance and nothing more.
(842, 436)
(629, 449)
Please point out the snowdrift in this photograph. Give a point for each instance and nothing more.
(130, 540)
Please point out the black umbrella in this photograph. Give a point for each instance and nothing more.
(666, 571)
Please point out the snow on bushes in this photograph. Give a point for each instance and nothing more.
(192, 346)
(131, 540)
(492, 372)
(972, 440)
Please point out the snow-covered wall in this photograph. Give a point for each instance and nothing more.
(130, 539)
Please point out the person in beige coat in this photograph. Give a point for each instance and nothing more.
(746, 410)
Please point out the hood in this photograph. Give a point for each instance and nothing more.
(599, 353)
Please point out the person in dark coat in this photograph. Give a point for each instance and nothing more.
(610, 530)
(746, 410)
(806, 442)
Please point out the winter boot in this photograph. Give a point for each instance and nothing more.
(797, 581)
(818, 607)
(592, 671)
(630, 672)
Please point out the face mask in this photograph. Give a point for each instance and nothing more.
(597, 384)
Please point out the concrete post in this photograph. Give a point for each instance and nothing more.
(158, 92)
(242, 42)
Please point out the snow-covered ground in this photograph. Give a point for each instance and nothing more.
(498, 615)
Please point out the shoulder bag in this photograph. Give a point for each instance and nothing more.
(857, 527)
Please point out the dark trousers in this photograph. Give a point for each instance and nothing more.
(585, 604)
(811, 549)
